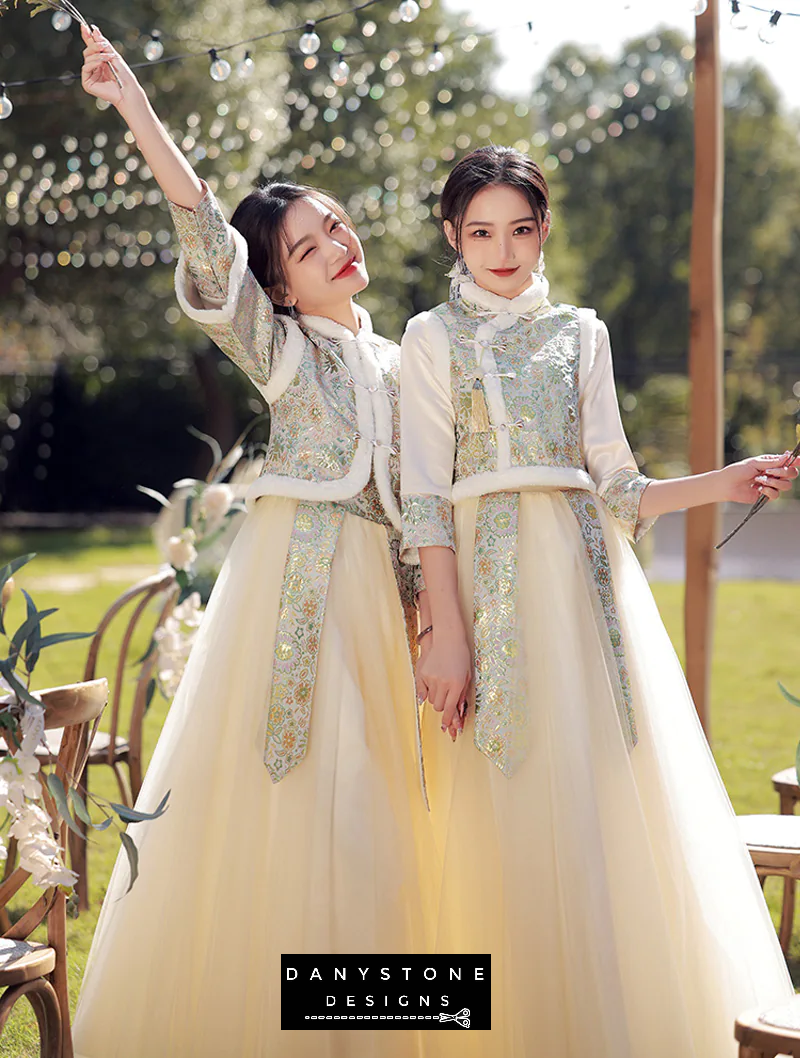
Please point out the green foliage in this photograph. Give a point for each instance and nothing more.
(24, 650)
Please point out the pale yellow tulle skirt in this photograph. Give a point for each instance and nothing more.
(333, 859)
(620, 908)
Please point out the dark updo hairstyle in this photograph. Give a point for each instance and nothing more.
(260, 217)
(488, 167)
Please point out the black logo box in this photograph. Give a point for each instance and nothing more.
(386, 992)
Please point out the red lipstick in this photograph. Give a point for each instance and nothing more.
(346, 269)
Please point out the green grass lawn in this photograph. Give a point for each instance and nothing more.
(754, 730)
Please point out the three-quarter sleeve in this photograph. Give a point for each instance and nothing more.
(427, 437)
(217, 290)
(608, 456)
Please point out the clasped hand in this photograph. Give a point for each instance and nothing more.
(444, 674)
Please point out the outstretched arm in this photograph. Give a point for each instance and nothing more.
(741, 482)
(175, 176)
(631, 497)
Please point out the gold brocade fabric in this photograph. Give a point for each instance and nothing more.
(502, 715)
(305, 591)
(584, 507)
(537, 362)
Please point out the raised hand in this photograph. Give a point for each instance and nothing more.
(105, 74)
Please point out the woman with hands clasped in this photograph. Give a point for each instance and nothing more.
(296, 824)
(589, 845)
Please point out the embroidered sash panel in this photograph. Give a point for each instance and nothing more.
(502, 715)
(306, 580)
(501, 709)
(584, 507)
(294, 667)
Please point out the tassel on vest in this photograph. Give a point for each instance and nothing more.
(479, 415)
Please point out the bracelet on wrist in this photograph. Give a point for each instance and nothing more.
(424, 632)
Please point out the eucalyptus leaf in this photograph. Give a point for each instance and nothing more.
(33, 644)
(56, 788)
(79, 807)
(789, 697)
(239, 442)
(212, 538)
(132, 815)
(148, 697)
(16, 685)
(150, 648)
(154, 495)
(28, 627)
(188, 511)
(228, 463)
(82, 812)
(133, 858)
(6, 573)
(216, 451)
(63, 637)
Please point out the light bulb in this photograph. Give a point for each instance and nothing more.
(436, 60)
(6, 106)
(153, 49)
(246, 68)
(739, 19)
(340, 71)
(699, 7)
(220, 68)
(408, 10)
(61, 21)
(309, 42)
(768, 34)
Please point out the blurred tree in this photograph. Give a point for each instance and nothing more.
(620, 135)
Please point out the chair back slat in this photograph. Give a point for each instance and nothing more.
(33, 917)
(12, 885)
(135, 732)
(163, 579)
(147, 589)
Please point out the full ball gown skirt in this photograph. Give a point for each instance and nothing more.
(332, 859)
(621, 910)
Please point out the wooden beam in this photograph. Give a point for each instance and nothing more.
(705, 356)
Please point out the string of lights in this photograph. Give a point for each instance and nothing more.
(309, 44)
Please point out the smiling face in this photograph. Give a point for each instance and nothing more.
(500, 240)
(322, 258)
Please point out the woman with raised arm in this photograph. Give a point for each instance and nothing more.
(296, 823)
(589, 844)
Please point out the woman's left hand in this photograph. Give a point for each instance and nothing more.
(746, 481)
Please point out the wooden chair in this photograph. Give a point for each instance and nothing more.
(774, 846)
(770, 1034)
(110, 747)
(787, 788)
(27, 968)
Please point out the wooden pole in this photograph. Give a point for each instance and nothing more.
(705, 356)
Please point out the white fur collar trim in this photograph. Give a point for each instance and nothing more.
(331, 329)
(530, 300)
